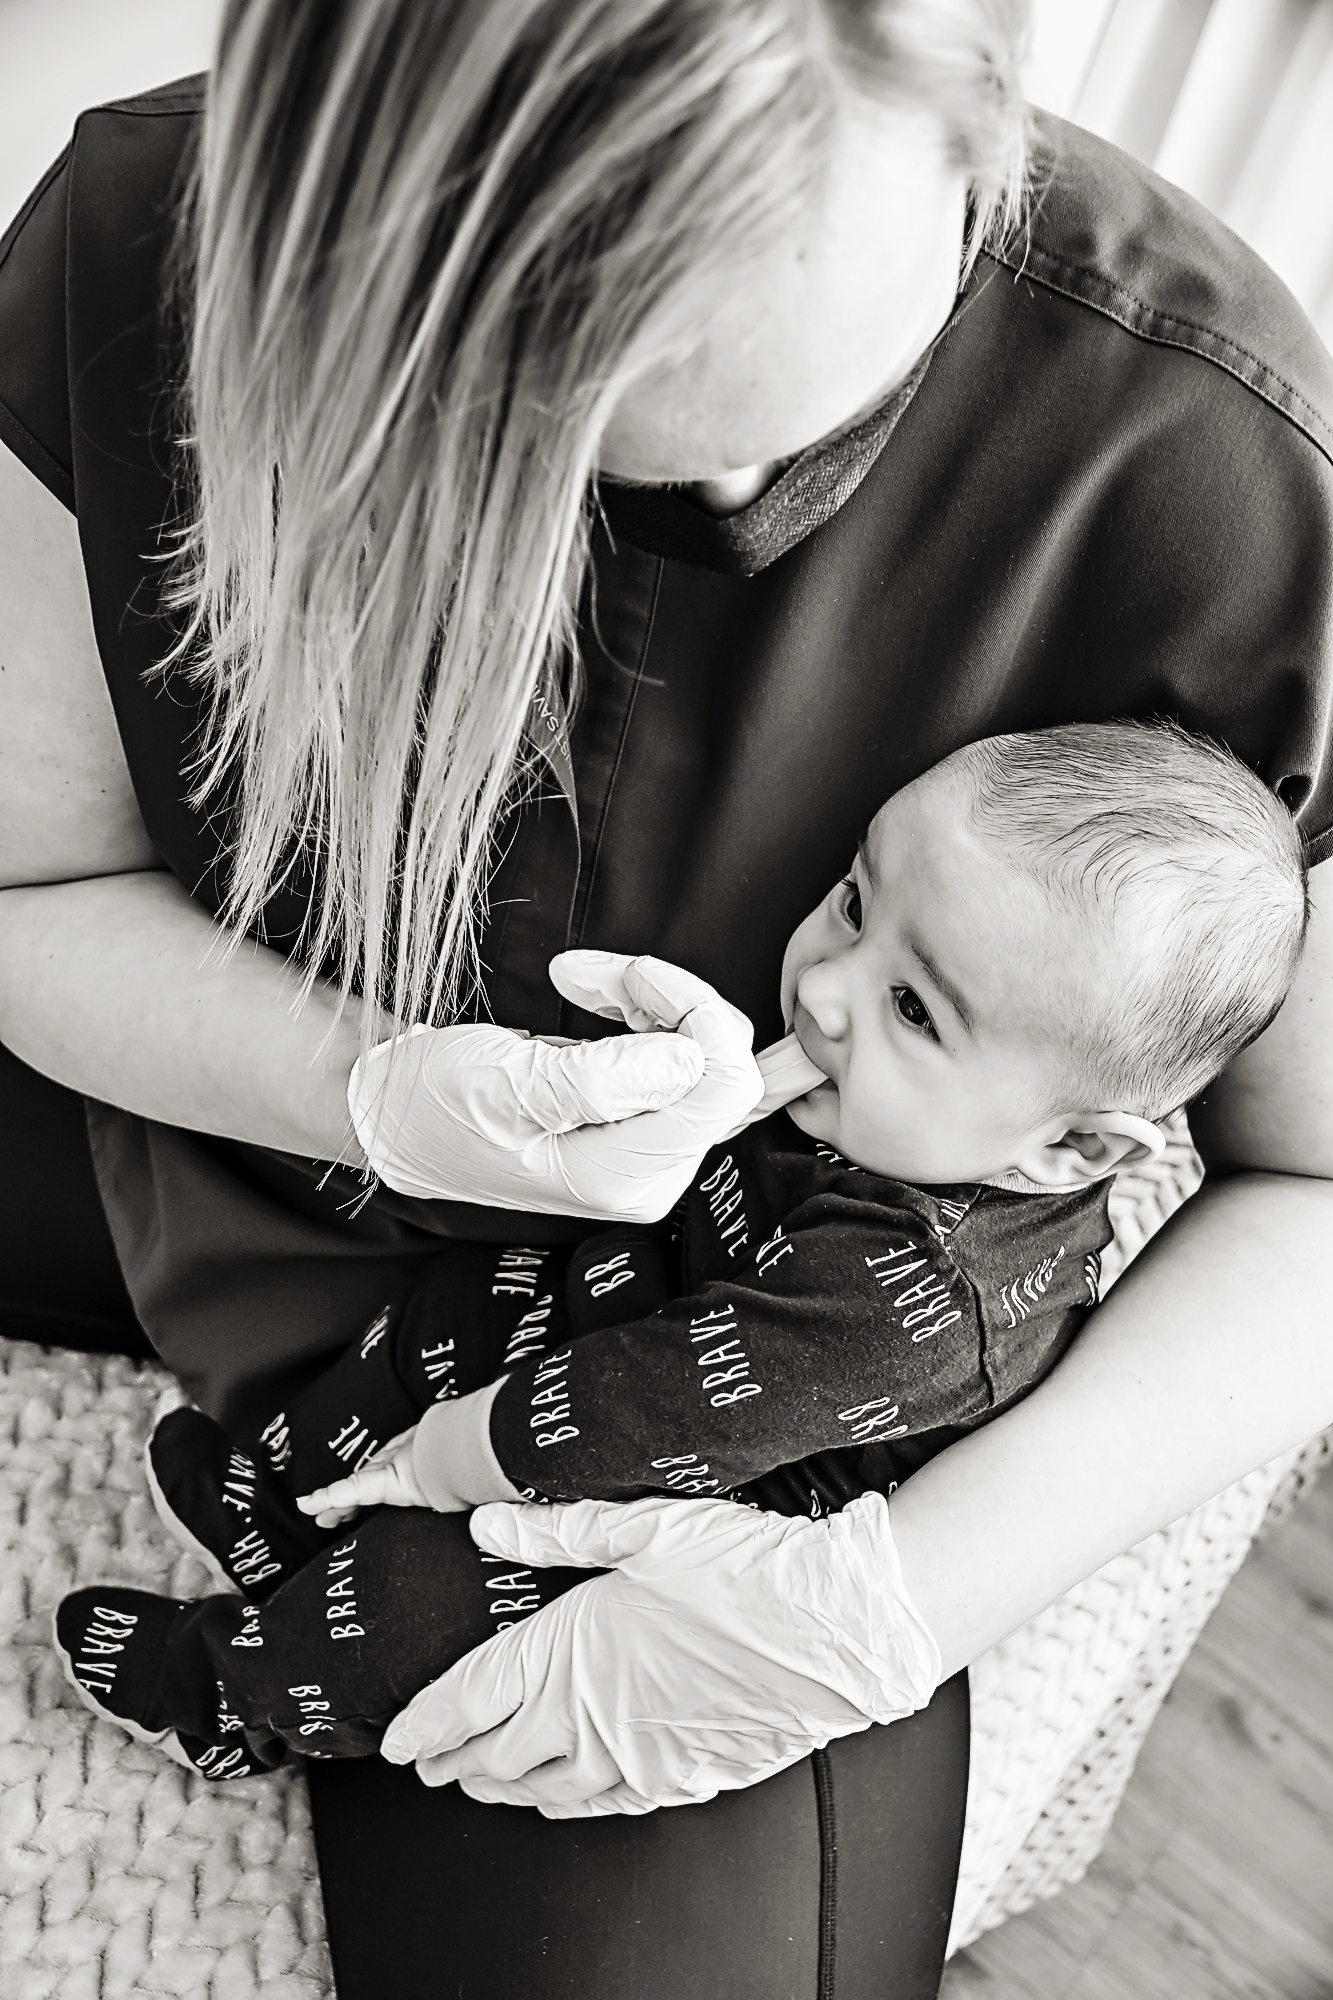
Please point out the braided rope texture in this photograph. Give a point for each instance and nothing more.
(123, 1875)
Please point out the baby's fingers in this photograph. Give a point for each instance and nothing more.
(367, 1488)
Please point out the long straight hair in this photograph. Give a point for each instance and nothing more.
(427, 246)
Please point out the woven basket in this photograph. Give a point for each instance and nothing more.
(123, 1875)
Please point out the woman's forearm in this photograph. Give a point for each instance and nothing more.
(116, 987)
(1213, 1354)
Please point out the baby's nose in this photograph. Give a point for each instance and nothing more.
(821, 991)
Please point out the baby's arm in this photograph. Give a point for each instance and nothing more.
(803, 1351)
(458, 1473)
(800, 1352)
(853, 1325)
(386, 1480)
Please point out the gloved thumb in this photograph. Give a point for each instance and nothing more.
(478, 1693)
(606, 1534)
(580, 1534)
(675, 998)
(600, 1083)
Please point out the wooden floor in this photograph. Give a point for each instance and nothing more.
(1217, 1880)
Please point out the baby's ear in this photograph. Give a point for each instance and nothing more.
(1089, 1145)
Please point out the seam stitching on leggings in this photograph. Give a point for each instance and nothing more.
(828, 1875)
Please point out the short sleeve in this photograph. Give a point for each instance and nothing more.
(34, 371)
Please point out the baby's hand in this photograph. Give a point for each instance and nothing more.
(386, 1480)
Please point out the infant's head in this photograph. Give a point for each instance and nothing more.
(1047, 943)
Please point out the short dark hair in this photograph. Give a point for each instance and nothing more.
(1196, 872)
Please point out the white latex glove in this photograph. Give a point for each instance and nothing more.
(608, 1130)
(723, 1645)
(386, 1480)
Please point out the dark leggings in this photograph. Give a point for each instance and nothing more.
(832, 1881)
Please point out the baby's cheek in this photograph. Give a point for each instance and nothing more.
(816, 1115)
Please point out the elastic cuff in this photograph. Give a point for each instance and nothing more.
(452, 1456)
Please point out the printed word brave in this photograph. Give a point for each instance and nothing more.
(923, 1308)
(725, 1198)
(550, 1402)
(730, 1378)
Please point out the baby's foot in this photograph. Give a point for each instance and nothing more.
(220, 1504)
(113, 1644)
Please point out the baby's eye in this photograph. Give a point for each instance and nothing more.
(912, 1010)
(851, 902)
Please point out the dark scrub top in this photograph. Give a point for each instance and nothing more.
(1108, 492)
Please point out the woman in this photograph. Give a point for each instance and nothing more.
(441, 266)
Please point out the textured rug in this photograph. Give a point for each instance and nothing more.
(123, 1875)
(120, 1873)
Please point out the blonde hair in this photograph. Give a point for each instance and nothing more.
(428, 244)
(1194, 879)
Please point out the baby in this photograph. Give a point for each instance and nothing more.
(1046, 945)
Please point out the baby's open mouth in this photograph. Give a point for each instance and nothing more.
(788, 1072)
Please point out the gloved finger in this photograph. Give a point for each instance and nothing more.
(435, 1771)
(618, 1799)
(595, 981)
(337, 1518)
(561, 1782)
(391, 1449)
(731, 1083)
(648, 993)
(480, 1691)
(670, 996)
(599, 1534)
(601, 1083)
(512, 1751)
(579, 1534)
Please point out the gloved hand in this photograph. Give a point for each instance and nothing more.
(610, 1130)
(723, 1645)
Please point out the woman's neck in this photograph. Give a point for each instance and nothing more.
(734, 490)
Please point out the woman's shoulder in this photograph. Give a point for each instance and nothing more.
(82, 260)
(1116, 241)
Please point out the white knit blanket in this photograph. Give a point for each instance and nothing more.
(123, 1875)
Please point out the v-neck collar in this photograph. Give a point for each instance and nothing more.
(666, 521)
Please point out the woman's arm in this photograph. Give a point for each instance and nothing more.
(106, 982)
(111, 980)
(1213, 1354)
(113, 987)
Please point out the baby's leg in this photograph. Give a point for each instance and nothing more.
(320, 1667)
(476, 1309)
(397, 1600)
